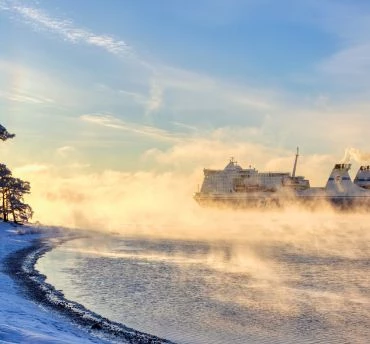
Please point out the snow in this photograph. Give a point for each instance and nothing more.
(22, 320)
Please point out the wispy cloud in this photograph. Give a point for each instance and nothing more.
(214, 90)
(31, 168)
(185, 126)
(110, 121)
(155, 97)
(139, 98)
(162, 77)
(66, 29)
(65, 150)
(348, 23)
(352, 61)
(21, 97)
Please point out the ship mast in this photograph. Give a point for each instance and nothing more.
(295, 163)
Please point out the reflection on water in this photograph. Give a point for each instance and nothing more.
(268, 289)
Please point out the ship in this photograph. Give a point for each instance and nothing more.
(237, 187)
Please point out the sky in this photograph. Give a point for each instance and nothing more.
(165, 88)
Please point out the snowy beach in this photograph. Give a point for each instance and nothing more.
(23, 320)
(28, 307)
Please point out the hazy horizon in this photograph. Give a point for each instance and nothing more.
(150, 93)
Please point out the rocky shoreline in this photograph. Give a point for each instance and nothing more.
(20, 266)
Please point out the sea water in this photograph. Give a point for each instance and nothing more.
(267, 290)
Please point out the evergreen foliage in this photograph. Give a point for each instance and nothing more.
(12, 190)
(4, 134)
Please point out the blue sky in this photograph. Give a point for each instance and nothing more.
(121, 84)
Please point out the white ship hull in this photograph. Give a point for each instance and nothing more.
(247, 188)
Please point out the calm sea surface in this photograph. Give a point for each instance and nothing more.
(313, 288)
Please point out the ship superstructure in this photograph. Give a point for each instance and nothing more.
(236, 186)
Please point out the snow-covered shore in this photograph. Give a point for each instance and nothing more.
(22, 320)
(34, 312)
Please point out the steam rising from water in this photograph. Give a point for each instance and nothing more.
(278, 275)
(160, 205)
(256, 244)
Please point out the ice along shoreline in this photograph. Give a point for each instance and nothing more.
(20, 266)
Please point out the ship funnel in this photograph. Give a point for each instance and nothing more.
(363, 177)
(339, 179)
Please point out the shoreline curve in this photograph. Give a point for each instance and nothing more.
(20, 266)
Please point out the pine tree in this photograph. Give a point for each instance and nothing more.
(5, 176)
(12, 191)
(4, 134)
(20, 211)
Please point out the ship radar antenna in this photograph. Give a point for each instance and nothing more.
(295, 163)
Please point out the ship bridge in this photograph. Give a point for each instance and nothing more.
(232, 166)
(233, 178)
